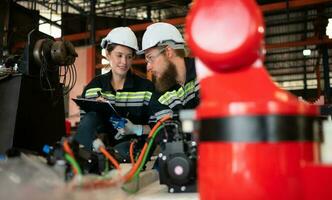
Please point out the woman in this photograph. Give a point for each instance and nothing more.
(129, 94)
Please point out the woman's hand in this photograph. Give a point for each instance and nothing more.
(101, 99)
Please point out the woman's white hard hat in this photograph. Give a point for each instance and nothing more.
(120, 35)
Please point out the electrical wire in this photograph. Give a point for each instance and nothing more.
(132, 191)
(136, 175)
(110, 157)
(72, 78)
(148, 150)
(106, 168)
(133, 170)
(69, 155)
(131, 152)
(43, 75)
(69, 77)
(128, 177)
(76, 168)
(67, 148)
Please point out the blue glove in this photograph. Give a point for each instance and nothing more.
(125, 127)
(118, 122)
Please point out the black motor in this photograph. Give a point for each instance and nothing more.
(177, 159)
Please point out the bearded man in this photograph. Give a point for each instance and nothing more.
(173, 74)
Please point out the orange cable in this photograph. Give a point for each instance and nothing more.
(131, 152)
(110, 157)
(67, 148)
(131, 173)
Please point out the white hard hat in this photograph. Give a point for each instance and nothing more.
(120, 35)
(162, 33)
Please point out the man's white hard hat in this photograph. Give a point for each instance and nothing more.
(162, 33)
(120, 35)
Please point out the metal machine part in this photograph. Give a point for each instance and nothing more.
(42, 51)
(54, 53)
(177, 159)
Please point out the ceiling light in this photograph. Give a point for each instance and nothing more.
(306, 52)
(329, 29)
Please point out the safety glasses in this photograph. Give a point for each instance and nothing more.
(151, 58)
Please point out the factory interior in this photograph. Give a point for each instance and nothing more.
(244, 113)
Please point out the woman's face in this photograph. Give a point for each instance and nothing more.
(120, 58)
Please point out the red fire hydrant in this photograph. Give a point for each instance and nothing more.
(256, 140)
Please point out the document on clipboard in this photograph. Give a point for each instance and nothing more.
(89, 105)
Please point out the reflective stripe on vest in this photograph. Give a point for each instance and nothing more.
(92, 92)
(122, 99)
(181, 96)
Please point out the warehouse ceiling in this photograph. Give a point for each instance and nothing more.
(141, 9)
(291, 27)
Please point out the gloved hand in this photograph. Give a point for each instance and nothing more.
(125, 127)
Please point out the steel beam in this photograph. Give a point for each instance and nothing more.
(292, 4)
(308, 41)
(49, 21)
(327, 89)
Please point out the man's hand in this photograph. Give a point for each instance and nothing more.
(125, 127)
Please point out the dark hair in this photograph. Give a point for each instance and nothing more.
(112, 46)
(180, 52)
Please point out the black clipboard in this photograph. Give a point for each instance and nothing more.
(89, 105)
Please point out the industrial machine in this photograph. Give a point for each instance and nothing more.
(176, 162)
(256, 141)
(31, 104)
(177, 159)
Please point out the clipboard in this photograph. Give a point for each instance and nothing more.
(89, 105)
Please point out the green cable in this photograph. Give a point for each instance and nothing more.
(106, 167)
(147, 151)
(136, 175)
(73, 163)
(133, 191)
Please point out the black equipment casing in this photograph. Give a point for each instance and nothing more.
(177, 166)
(29, 116)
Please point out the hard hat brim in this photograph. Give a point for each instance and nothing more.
(140, 52)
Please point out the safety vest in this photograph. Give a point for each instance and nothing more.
(131, 102)
(178, 97)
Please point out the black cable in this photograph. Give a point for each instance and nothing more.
(72, 77)
(64, 78)
(67, 85)
(75, 75)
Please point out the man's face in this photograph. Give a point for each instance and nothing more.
(163, 71)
